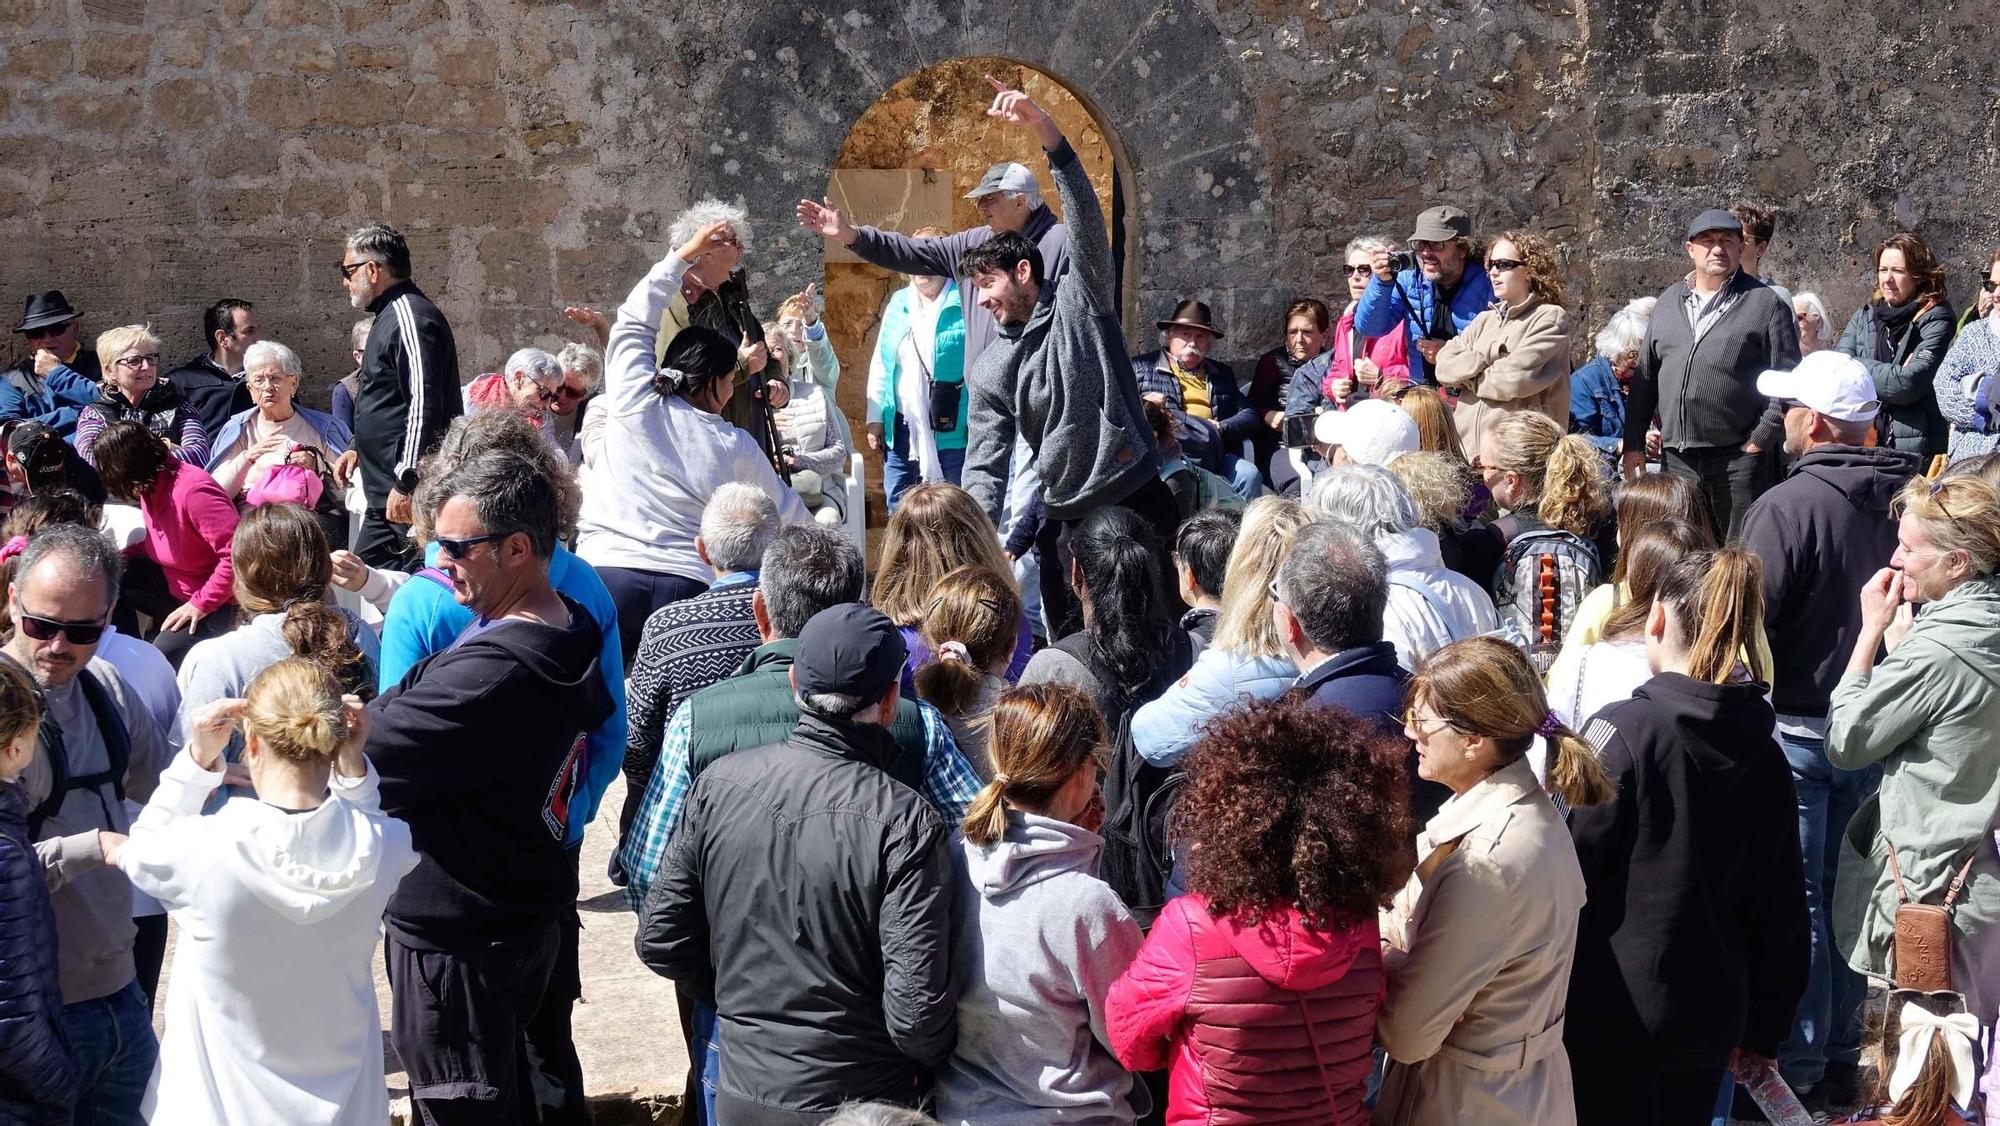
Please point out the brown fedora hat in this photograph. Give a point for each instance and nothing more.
(1193, 314)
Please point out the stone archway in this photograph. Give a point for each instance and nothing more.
(777, 91)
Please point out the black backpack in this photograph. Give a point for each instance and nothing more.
(117, 752)
(1138, 858)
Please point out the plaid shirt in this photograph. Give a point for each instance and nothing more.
(949, 784)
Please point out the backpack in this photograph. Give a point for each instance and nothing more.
(1138, 857)
(1543, 577)
(117, 753)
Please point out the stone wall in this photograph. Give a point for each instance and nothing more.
(156, 154)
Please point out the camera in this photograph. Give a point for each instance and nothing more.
(1402, 260)
(1298, 433)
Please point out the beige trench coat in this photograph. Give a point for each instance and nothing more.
(1478, 953)
(1508, 360)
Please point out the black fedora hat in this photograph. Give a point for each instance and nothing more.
(1193, 314)
(44, 309)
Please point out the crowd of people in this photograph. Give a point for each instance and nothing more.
(1429, 731)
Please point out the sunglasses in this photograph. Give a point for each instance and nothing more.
(569, 394)
(459, 549)
(347, 268)
(46, 331)
(47, 629)
(1988, 284)
(1362, 270)
(1503, 265)
(1417, 723)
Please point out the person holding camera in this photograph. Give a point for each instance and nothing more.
(813, 438)
(1431, 292)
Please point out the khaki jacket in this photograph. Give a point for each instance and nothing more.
(1508, 360)
(1478, 951)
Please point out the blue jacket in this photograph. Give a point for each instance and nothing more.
(1382, 308)
(423, 618)
(331, 430)
(37, 1073)
(65, 392)
(1166, 729)
(1596, 405)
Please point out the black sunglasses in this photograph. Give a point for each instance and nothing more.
(347, 268)
(1988, 284)
(459, 549)
(46, 629)
(1503, 265)
(1359, 271)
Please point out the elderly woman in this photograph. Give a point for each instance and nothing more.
(527, 384)
(1247, 660)
(1597, 389)
(1357, 365)
(258, 440)
(134, 391)
(712, 293)
(813, 438)
(1902, 334)
(1815, 323)
(1927, 713)
(582, 370)
(1965, 385)
(665, 433)
(1479, 942)
(1515, 356)
(189, 524)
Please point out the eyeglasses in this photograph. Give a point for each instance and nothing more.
(545, 395)
(1503, 265)
(347, 268)
(459, 549)
(134, 363)
(1937, 487)
(1417, 723)
(1988, 284)
(269, 380)
(1360, 271)
(1275, 596)
(46, 629)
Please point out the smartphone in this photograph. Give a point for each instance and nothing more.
(1299, 431)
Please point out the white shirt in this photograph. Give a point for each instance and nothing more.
(271, 1011)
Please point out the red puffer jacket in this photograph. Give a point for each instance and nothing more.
(1269, 1024)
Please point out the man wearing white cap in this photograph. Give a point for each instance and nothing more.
(1371, 432)
(1822, 534)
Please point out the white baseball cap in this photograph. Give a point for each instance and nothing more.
(1372, 431)
(1833, 383)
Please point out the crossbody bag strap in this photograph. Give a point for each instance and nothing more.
(1952, 890)
(1896, 873)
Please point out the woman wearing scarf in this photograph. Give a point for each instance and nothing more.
(1902, 334)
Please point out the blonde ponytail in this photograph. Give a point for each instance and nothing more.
(1576, 494)
(1716, 600)
(1042, 735)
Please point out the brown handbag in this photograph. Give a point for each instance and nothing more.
(1923, 931)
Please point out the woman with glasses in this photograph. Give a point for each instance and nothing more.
(134, 391)
(1357, 364)
(269, 434)
(814, 441)
(189, 523)
(1927, 712)
(529, 383)
(1966, 384)
(1479, 942)
(1902, 335)
(1515, 356)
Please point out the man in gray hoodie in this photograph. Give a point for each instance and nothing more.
(1058, 375)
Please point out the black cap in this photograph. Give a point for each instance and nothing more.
(1714, 219)
(852, 649)
(40, 452)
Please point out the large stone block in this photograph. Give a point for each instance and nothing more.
(92, 111)
(360, 100)
(188, 103)
(457, 107)
(39, 61)
(17, 16)
(283, 103)
(459, 60)
(181, 46)
(113, 55)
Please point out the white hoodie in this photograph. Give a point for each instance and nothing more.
(271, 1011)
(1429, 605)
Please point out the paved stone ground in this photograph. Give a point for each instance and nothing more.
(627, 1031)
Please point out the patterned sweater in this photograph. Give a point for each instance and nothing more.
(688, 645)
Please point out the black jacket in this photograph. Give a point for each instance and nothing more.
(1367, 681)
(480, 750)
(808, 898)
(1705, 392)
(1694, 939)
(1822, 533)
(409, 388)
(215, 395)
(1903, 382)
(37, 1075)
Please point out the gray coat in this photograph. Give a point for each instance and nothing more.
(1904, 383)
(939, 258)
(1063, 381)
(1705, 392)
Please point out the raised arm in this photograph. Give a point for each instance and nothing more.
(629, 365)
(1083, 218)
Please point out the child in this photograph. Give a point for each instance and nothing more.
(37, 1075)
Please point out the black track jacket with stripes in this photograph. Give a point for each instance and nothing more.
(409, 387)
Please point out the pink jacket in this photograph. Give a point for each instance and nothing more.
(189, 523)
(1391, 353)
(1273, 1024)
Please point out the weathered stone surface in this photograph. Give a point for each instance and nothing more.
(113, 55)
(38, 61)
(184, 46)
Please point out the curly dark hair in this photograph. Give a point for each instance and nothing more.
(1290, 803)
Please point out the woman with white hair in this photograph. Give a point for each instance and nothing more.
(582, 371)
(1597, 390)
(1815, 323)
(135, 391)
(712, 294)
(1430, 605)
(526, 384)
(258, 440)
(813, 435)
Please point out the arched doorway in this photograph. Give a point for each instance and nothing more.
(906, 164)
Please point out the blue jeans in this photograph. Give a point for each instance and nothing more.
(1828, 1024)
(707, 1059)
(112, 1039)
(1244, 478)
(901, 471)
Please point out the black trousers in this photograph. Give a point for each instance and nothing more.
(382, 545)
(459, 1021)
(1729, 478)
(554, 1071)
(149, 953)
(1153, 503)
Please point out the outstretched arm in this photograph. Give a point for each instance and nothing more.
(1089, 246)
